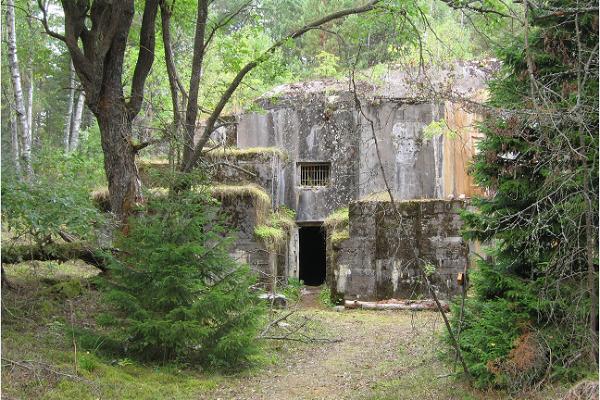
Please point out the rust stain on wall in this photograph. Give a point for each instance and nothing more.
(460, 149)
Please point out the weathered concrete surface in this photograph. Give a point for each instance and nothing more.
(379, 260)
(319, 122)
(411, 163)
(241, 213)
(272, 265)
(266, 170)
(320, 129)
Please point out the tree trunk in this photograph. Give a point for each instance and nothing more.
(97, 53)
(14, 142)
(29, 106)
(192, 101)
(56, 252)
(124, 183)
(76, 122)
(69, 116)
(15, 75)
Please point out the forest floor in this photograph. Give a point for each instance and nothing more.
(362, 355)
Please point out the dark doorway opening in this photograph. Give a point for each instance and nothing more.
(312, 255)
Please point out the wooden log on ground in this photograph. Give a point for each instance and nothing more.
(414, 305)
(55, 252)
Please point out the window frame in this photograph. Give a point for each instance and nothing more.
(314, 164)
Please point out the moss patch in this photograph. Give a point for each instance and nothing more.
(337, 226)
(276, 228)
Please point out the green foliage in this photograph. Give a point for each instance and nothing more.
(327, 64)
(429, 269)
(178, 293)
(540, 277)
(292, 289)
(438, 128)
(58, 197)
(87, 362)
(325, 297)
(66, 289)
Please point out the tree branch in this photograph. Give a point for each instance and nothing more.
(190, 162)
(145, 57)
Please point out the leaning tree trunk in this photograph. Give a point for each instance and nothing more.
(98, 53)
(15, 75)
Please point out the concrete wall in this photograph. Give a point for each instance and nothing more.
(412, 164)
(316, 129)
(378, 260)
(329, 129)
(241, 213)
(319, 122)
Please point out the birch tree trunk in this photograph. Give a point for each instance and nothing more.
(69, 116)
(14, 143)
(76, 125)
(29, 105)
(15, 75)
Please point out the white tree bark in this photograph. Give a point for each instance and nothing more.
(13, 66)
(78, 113)
(14, 143)
(29, 106)
(69, 116)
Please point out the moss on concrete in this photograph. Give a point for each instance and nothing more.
(275, 231)
(337, 226)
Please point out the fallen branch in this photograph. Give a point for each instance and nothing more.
(28, 365)
(55, 252)
(303, 340)
(294, 333)
(413, 305)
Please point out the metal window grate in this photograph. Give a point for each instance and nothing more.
(314, 175)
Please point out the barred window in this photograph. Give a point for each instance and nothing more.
(314, 174)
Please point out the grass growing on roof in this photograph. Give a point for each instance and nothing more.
(247, 154)
(275, 231)
(260, 199)
(254, 191)
(337, 225)
(270, 236)
(384, 196)
(101, 198)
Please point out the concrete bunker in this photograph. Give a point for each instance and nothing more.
(312, 254)
(313, 156)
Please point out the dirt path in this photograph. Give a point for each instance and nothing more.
(374, 347)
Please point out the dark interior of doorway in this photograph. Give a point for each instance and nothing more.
(312, 255)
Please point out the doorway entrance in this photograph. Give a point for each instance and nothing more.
(312, 255)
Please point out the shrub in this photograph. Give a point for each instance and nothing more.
(179, 294)
(325, 297)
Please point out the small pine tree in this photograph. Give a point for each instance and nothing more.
(540, 160)
(179, 294)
